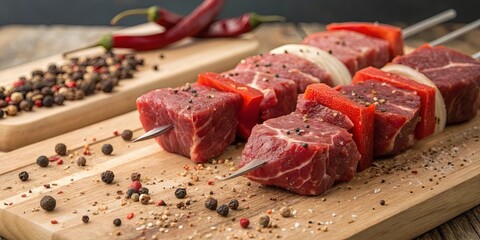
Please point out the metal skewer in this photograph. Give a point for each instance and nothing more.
(259, 163)
(467, 28)
(428, 23)
(476, 55)
(246, 168)
(154, 132)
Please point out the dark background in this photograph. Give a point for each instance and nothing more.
(99, 12)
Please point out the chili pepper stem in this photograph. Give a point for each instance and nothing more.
(151, 12)
(106, 42)
(143, 11)
(257, 19)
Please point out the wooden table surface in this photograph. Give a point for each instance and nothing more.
(20, 44)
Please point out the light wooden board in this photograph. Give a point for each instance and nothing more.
(182, 63)
(426, 186)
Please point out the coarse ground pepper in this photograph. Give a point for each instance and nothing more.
(85, 218)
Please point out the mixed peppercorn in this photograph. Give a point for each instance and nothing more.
(71, 81)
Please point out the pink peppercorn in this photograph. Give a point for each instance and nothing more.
(136, 185)
(244, 222)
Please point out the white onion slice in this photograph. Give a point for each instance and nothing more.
(338, 71)
(440, 108)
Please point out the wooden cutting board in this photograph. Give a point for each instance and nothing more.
(181, 64)
(422, 188)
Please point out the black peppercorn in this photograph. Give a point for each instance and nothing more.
(23, 176)
(107, 86)
(61, 149)
(382, 202)
(143, 190)
(223, 210)
(81, 161)
(233, 204)
(211, 203)
(107, 149)
(264, 221)
(181, 193)
(129, 193)
(127, 135)
(85, 219)
(48, 203)
(47, 101)
(117, 222)
(59, 99)
(43, 161)
(107, 176)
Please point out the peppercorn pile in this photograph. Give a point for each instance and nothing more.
(74, 80)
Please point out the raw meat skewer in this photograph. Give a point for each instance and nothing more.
(407, 32)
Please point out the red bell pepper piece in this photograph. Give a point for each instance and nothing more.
(426, 127)
(362, 117)
(389, 33)
(250, 111)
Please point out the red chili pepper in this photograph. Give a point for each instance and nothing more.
(229, 27)
(389, 33)
(361, 116)
(249, 113)
(190, 25)
(426, 127)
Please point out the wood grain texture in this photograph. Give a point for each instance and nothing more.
(182, 63)
(74, 142)
(422, 188)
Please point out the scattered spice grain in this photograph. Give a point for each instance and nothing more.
(85, 218)
(382, 202)
(43, 161)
